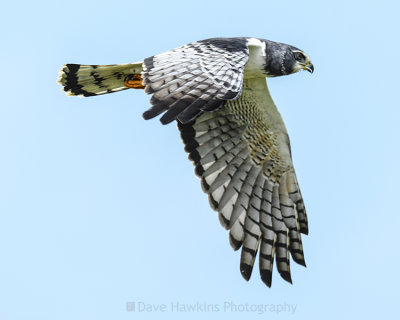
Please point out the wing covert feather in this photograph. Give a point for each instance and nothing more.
(197, 77)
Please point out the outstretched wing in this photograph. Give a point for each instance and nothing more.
(242, 156)
(195, 78)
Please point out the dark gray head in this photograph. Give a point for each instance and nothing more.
(283, 59)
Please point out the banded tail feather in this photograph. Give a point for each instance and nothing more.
(91, 80)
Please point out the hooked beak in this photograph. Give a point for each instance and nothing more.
(309, 68)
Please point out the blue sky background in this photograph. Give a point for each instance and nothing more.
(99, 207)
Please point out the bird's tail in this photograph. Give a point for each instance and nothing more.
(92, 80)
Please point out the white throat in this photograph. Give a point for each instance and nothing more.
(256, 63)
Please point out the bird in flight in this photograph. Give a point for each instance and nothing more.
(216, 91)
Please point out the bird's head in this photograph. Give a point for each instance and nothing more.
(283, 59)
(301, 61)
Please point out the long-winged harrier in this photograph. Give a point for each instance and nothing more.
(216, 91)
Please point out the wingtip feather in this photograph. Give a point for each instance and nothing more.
(246, 271)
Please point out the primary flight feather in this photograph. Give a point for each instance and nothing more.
(216, 90)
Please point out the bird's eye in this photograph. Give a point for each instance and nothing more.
(299, 56)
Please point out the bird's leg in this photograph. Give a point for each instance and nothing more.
(134, 81)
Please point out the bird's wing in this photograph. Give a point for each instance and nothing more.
(195, 78)
(242, 155)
